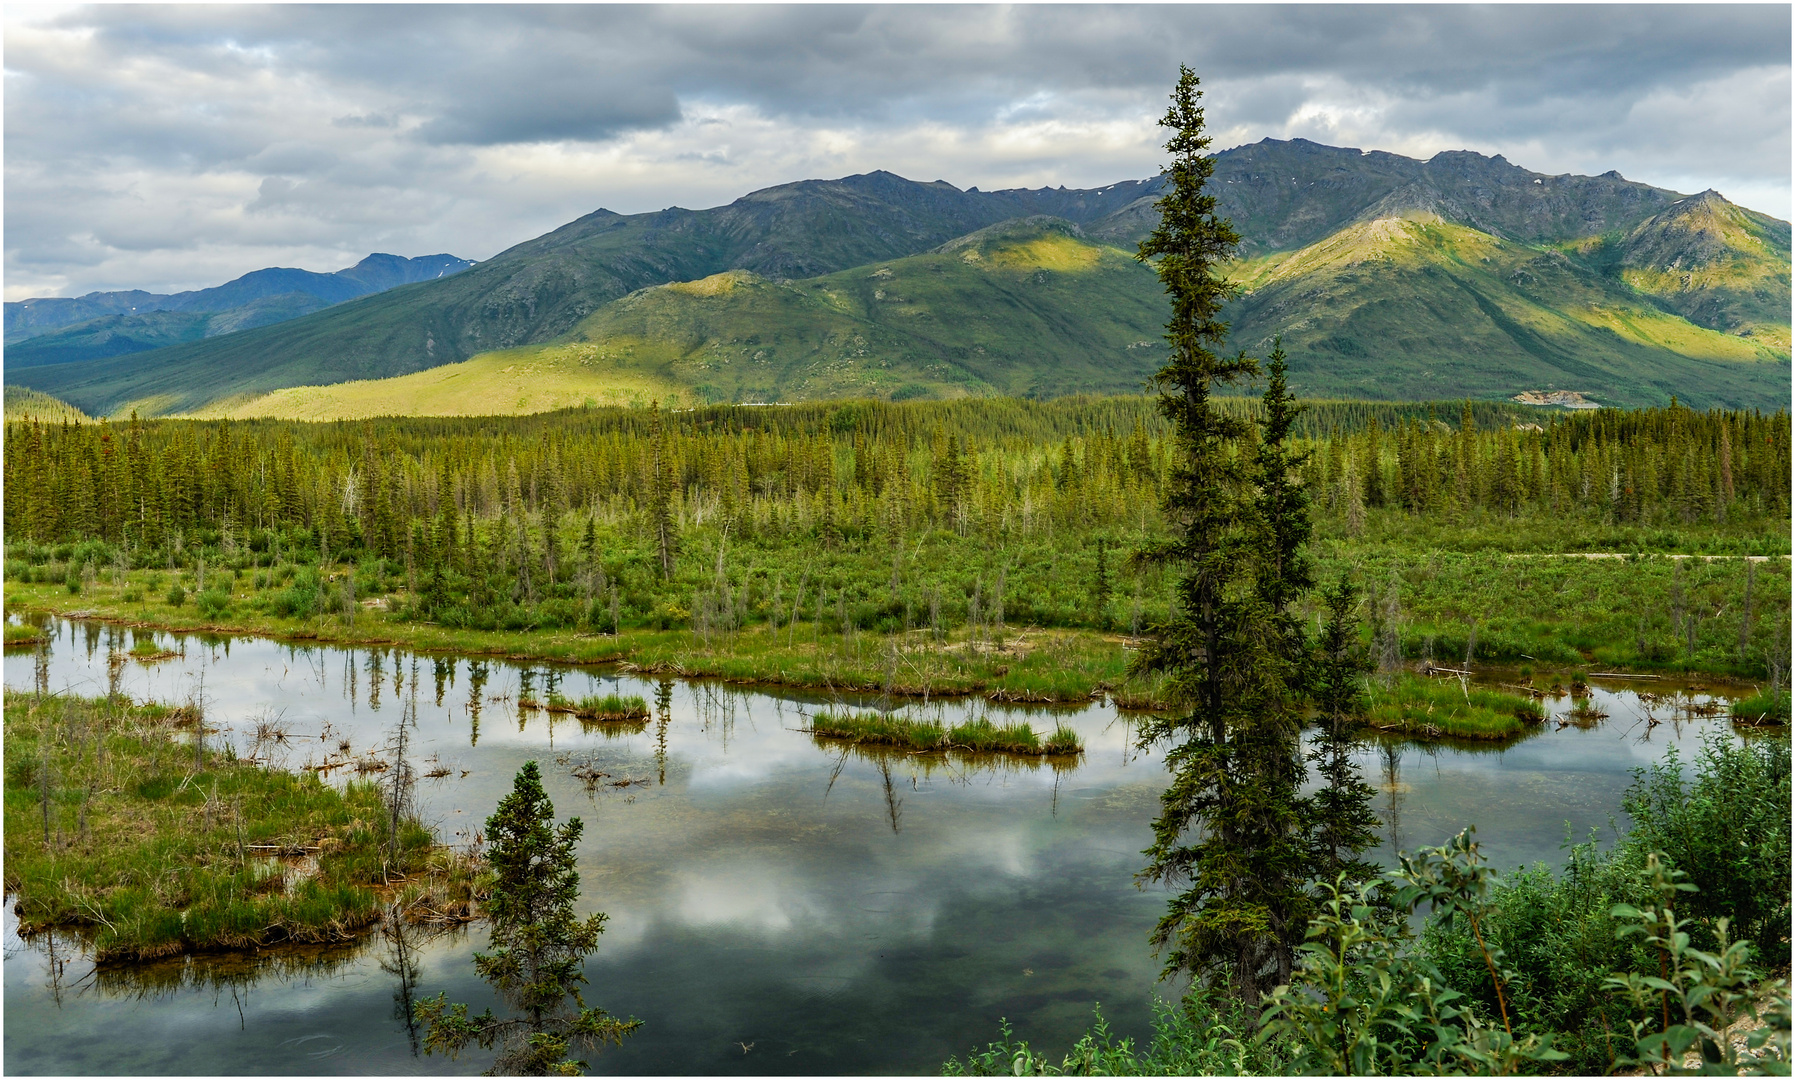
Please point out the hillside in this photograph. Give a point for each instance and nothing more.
(1418, 307)
(1028, 307)
(1423, 316)
(1716, 264)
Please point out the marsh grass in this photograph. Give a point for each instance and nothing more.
(978, 735)
(22, 635)
(113, 828)
(610, 707)
(1766, 708)
(1415, 705)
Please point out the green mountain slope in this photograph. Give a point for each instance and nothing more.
(540, 289)
(1716, 264)
(1414, 306)
(1282, 195)
(1028, 307)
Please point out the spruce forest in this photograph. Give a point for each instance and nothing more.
(727, 532)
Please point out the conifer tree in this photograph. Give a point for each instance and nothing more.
(1213, 646)
(660, 492)
(538, 947)
(1342, 824)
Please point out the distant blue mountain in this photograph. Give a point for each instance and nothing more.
(101, 324)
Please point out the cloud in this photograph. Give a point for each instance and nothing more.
(176, 147)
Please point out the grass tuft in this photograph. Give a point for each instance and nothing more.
(113, 827)
(1446, 707)
(979, 735)
(609, 707)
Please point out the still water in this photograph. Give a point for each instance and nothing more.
(776, 905)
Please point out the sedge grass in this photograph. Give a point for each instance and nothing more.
(20, 635)
(611, 707)
(1764, 709)
(979, 735)
(115, 828)
(1433, 707)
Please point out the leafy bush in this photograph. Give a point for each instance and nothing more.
(176, 595)
(1728, 823)
(1728, 829)
(214, 603)
(1204, 1035)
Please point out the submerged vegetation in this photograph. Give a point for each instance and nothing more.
(120, 819)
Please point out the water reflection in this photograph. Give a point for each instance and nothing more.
(836, 908)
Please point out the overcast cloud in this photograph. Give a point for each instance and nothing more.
(170, 148)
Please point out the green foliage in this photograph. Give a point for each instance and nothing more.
(1706, 993)
(1560, 936)
(214, 603)
(1363, 1003)
(1203, 1035)
(1727, 829)
(537, 947)
(177, 595)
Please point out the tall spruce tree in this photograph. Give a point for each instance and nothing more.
(1226, 824)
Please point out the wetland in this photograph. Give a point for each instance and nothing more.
(778, 902)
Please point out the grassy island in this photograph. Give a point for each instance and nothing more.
(978, 735)
(115, 824)
(1414, 705)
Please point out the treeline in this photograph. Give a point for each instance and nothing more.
(1000, 467)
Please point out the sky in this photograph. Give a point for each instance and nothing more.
(177, 147)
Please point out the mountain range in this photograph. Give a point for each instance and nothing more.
(106, 324)
(1385, 277)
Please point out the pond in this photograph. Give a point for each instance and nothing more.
(776, 905)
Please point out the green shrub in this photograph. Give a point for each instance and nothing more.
(176, 595)
(1203, 1035)
(1727, 827)
(1728, 822)
(214, 603)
